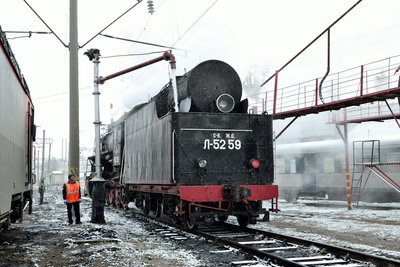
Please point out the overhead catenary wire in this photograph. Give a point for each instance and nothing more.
(59, 100)
(138, 2)
(45, 23)
(194, 23)
(62, 93)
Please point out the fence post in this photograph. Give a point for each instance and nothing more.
(316, 92)
(361, 80)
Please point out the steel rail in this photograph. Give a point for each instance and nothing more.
(337, 251)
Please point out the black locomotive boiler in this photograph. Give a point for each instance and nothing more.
(209, 160)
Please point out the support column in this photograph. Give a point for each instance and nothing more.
(73, 160)
(99, 191)
(346, 148)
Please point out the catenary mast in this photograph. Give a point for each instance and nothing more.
(73, 160)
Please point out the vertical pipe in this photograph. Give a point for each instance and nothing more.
(98, 191)
(73, 162)
(97, 121)
(175, 88)
(169, 56)
(266, 102)
(275, 92)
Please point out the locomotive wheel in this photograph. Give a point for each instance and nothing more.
(159, 208)
(190, 225)
(146, 206)
(175, 219)
(243, 220)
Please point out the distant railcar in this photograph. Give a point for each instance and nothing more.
(210, 160)
(17, 133)
(317, 169)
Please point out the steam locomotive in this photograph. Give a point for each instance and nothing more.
(208, 161)
(17, 133)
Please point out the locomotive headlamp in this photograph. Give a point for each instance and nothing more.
(254, 163)
(202, 163)
(225, 103)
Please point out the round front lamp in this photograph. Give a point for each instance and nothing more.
(225, 103)
(202, 163)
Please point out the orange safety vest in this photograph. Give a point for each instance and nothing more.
(72, 192)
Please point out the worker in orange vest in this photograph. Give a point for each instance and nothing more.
(72, 197)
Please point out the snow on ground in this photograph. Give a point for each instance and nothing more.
(45, 239)
(373, 227)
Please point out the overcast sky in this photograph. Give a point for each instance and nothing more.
(264, 33)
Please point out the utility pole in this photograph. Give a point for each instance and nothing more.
(73, 161)
(48, 161)
(43, 150)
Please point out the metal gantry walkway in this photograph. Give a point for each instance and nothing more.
(365, 84)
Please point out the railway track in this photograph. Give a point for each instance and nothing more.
(270, 249)
(291, 251)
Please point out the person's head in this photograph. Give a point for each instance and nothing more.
(71, 177)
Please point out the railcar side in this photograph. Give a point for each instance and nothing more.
(16, 137)
(317, 169)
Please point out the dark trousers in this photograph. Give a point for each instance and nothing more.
(41, 198)
(76, 210)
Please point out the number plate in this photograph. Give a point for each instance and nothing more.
(222, 141)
